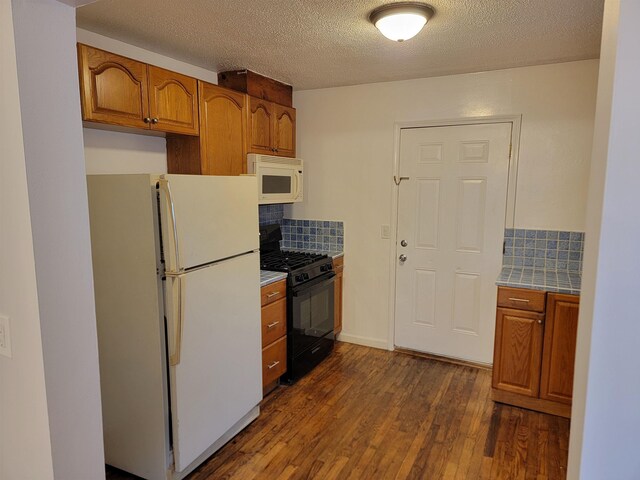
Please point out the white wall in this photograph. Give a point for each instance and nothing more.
(605, 415)
(45, 39)
(25, 447)
(346, 137)
(116, 152)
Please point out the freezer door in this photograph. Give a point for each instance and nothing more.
(207, 218)
(218, 377)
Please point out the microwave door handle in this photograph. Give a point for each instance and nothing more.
(296, 175)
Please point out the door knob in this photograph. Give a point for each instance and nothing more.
(402, 258)
(403, 243)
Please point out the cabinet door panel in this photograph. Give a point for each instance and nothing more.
(518, 351)
(285, 131)
(113, 88)
(561, 329)
(173, 101)
(261, 125)
(222, 131)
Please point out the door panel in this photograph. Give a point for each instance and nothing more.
(518, 352)
(285, 131)
(173, 101)
(219, 376)
(223, 131)
(261, 124)
(451, 213)
(561, 329)
(215, 218)
(113, 88)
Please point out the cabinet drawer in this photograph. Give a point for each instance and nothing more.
(274, 321)
(274, 361)
(521, 299)
(272, 292)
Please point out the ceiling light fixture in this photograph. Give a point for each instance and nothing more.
(401, 21)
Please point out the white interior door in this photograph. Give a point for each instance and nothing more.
(451, 215)
(218, 378)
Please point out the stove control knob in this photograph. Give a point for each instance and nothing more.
(299, 278)
(323, 268)
(329, 266)
(305, 276)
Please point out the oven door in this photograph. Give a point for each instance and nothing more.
(311, 313)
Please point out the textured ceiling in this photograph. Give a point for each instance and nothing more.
(323, 43)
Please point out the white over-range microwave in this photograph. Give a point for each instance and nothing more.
(279, 178)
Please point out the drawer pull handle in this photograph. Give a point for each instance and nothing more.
(273, 365)
(524, 300)
(272, 294)
(271, 325)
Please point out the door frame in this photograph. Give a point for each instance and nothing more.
(512, 177)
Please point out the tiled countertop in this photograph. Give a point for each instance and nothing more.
(558, 281)
(267, 277)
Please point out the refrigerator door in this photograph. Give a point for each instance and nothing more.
(213, 321)
(207, 218)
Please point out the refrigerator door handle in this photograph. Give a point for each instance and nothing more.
(177, 320)
(173, 231)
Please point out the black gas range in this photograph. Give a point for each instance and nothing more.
(310, 301)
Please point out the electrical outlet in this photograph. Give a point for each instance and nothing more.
(5, 337)
(385, 231)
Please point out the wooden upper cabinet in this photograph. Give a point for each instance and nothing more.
(120, 91)
(173, 101)
(113, 88)
(222, 131)
(261, 125)
(558, 356)
(272, 128)
(285, 131)
(518, 351)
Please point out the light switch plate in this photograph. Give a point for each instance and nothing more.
(385, 231)
(5, 336)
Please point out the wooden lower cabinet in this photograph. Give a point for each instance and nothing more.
(338, 267)
(518, 351)
(534, 351)
(560, 332)
(274, 334)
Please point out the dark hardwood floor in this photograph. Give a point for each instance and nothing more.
(372, 414)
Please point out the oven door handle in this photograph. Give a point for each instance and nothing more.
(314, 284)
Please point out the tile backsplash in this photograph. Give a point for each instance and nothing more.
(312, 234)
(549, 249)
(270, 214)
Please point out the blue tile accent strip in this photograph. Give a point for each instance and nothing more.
(312, 235)
(270, 214)
(543, 249)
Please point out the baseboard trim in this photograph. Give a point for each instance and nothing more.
(364, 341)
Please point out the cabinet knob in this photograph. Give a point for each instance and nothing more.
(147, 120)
(540, 321)
(154, 120)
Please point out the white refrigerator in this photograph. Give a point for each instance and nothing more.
(177, 286)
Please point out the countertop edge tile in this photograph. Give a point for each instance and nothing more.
(547, 280)
(268, 277)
